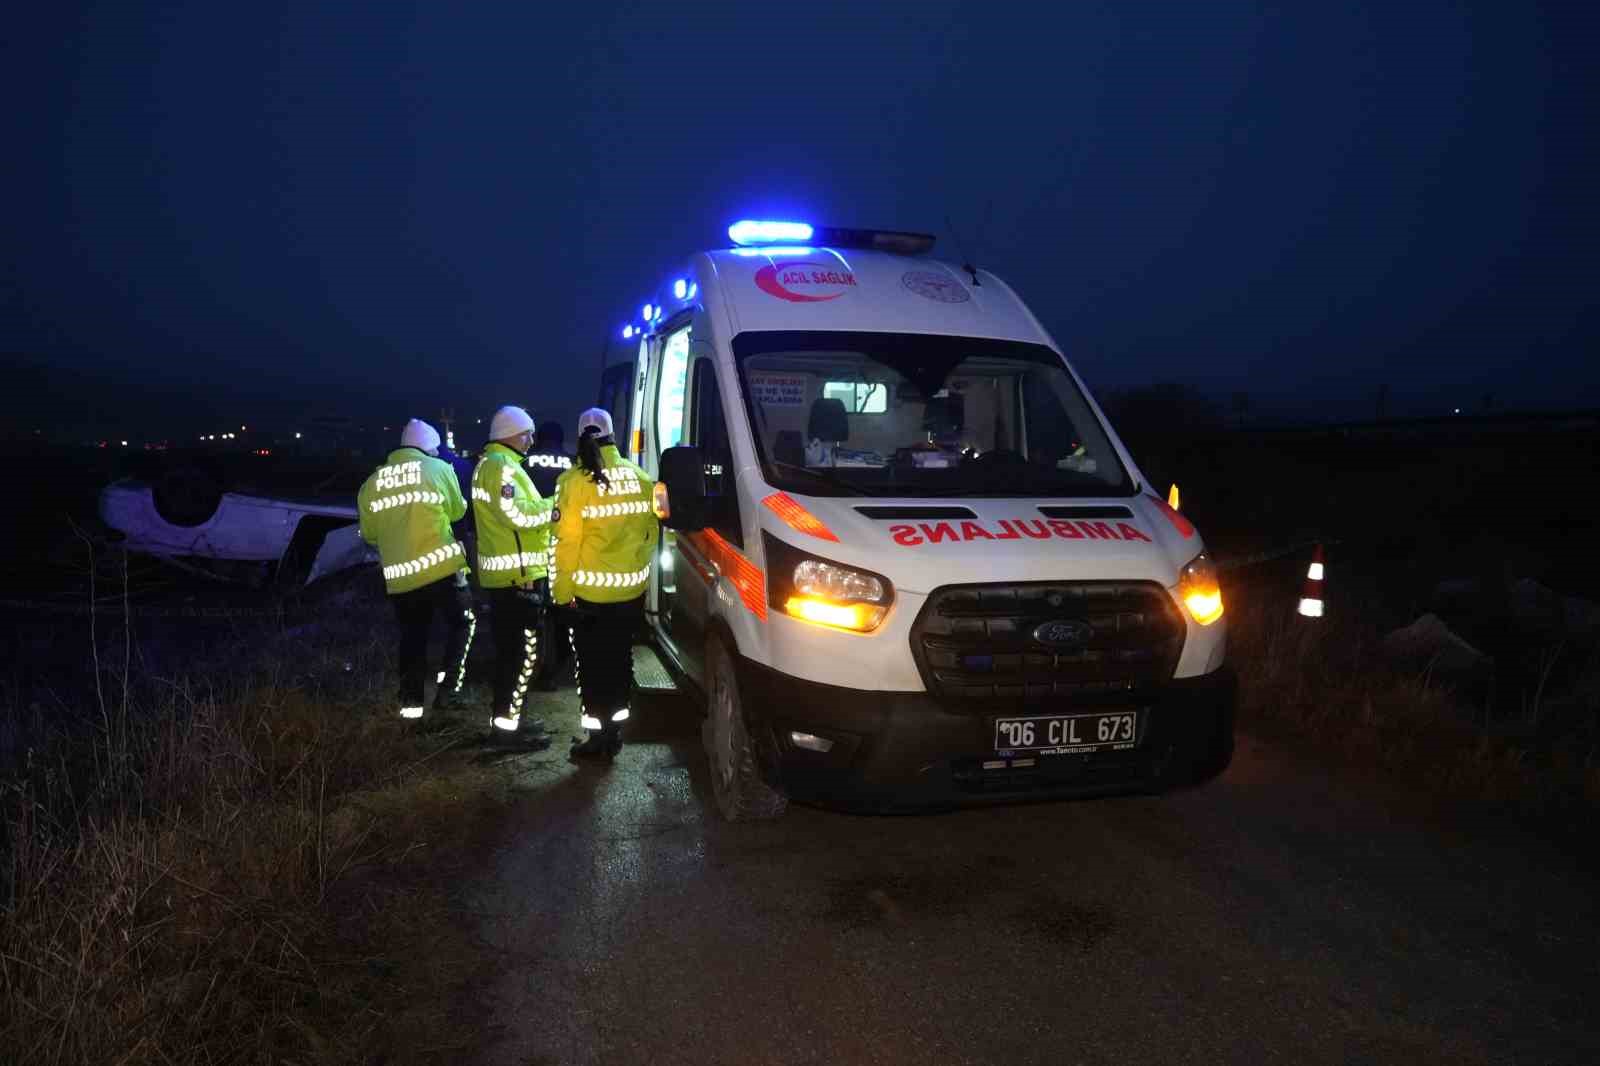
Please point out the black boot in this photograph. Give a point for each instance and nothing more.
(602, 743)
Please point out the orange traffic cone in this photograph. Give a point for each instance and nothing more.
(1311, 594)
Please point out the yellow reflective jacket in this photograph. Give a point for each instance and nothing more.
(513, 521)
(406, 508)
(605, 534)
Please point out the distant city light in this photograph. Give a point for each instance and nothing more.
(297, 436)
(124, 444)
(1458, 410)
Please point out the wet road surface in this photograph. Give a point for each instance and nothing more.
(1275, 915)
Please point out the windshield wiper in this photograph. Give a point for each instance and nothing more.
(827, 478)
(1023, 486)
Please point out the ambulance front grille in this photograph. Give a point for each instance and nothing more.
(982, 646)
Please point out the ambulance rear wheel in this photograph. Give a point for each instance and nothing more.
(742, 794)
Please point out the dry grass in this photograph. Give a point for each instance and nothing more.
(1325, 685)
(245, 865)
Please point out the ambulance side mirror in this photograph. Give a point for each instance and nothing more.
(683, 473)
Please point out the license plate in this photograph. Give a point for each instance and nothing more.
(1068, 734)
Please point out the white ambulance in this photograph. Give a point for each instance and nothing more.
(908, 561)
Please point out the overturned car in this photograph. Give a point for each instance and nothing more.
(302, 523)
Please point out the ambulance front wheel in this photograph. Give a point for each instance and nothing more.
(742, 794)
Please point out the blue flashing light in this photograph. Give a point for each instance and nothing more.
(648, 312)
(750, 232)
(627, 333)
(680, 289)
(694, 289)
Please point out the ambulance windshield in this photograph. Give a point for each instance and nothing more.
(882, 414)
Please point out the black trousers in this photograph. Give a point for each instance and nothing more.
(415, 611)
(518, 621)
(555, 645)
(602, 636)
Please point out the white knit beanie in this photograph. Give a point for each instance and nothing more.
(418, 434)
(508, 422)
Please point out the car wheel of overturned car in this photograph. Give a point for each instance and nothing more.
(742, 794)
(186, 495)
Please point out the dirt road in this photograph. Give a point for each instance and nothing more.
(1278, 914)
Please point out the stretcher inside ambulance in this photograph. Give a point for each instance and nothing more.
(909, 563)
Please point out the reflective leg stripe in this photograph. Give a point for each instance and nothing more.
(411, 712)
(501, 722)
(616, 510)
(620, 716)
(530, 656)
(466, 649)
(608, 579)
(515, 561)
(590, 722)
(440, 679)
(422, 563)
(577, 663)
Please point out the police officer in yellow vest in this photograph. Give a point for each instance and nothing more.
(605, 536)
(406, 508)
(513, 523)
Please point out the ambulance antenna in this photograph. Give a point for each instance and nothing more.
(966, 261)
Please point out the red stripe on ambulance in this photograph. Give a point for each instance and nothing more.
(909, 536)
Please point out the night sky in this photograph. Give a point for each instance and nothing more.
(264, 211)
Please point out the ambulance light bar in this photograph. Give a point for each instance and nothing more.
(749, 233)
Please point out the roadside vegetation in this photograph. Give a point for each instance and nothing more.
(245, 861)
(1524, 742)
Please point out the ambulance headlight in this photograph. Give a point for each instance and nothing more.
(1199, 590)
(834, 582)
(824, 592)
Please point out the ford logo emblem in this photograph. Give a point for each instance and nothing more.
(1063, 633)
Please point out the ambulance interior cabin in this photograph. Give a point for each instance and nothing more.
(996, 424)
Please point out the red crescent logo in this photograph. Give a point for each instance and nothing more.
(783, 279)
